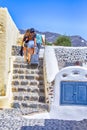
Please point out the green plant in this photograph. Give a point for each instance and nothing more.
(63, 41)
(48, 43)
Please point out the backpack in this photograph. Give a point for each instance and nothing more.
(38, 38)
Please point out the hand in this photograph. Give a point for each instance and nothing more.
(34, 45)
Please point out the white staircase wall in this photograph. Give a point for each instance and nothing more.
(8, 37)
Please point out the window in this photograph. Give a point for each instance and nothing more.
(73, 93)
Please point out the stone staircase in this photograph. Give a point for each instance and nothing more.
(28, 87)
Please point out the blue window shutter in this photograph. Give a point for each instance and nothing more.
(81, 90)
(73, 93)
(67, 93)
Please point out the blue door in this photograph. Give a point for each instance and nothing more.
(73, 93)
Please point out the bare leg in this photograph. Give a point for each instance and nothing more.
(25, 53)
(30, 52)
(29, 55)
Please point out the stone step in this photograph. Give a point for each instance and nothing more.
(31, 89)
(27, 104)
(26, 65)
(21, 59)
(41, 90)
(41, 94)
(25, 96)
(15, 116)
(22, 62)
(41, 86)
(24, 93)
(28, 110)
(27, 71)
(27, 82)
(18, 65)
(28, 76)
(41, 82)
(25, 89)
(41, 97)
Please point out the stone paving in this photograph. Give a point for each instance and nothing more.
(59, 125)
(10, 119)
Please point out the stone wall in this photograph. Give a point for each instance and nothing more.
(69, 56)
(8, 37)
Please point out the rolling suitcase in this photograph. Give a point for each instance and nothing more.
(34, 58)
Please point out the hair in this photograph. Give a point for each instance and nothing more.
(27, 31)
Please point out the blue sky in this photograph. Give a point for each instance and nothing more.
(67, 17)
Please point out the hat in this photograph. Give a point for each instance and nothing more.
(32, 30)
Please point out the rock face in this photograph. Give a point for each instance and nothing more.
(78, 41)
(8, 37)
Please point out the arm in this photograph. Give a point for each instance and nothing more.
(34, 38)
(35, 42)
(43, 41)
(22, 41)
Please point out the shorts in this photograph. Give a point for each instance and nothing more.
(30, 44)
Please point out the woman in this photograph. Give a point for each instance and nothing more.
(29, 44)
(24, 43)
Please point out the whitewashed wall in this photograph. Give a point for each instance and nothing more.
(50, 66)
(69, 112)
(55, 58)
(72, 73)
(8, 37)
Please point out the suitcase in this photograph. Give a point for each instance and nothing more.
(34, 59)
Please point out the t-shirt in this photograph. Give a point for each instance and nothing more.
(38, 38)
